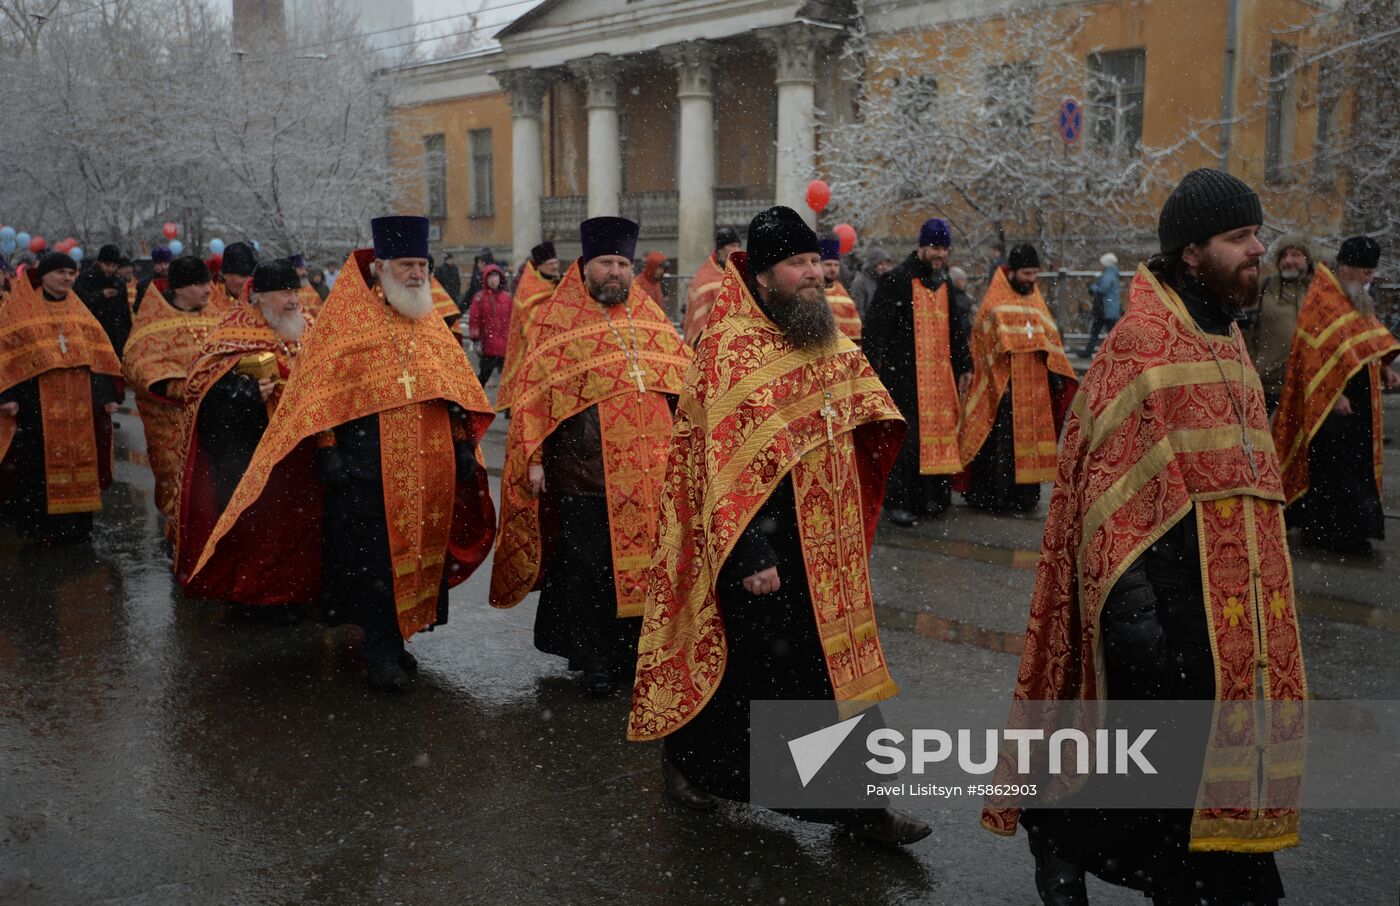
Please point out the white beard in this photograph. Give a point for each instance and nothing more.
(1360, 299)
(413, 303)
(288, 327)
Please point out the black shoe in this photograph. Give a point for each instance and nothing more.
(891, 827)
(1058, 882)
(409, 664)
(596, 684)
(901, 517)
(389, 678)
(682, 792)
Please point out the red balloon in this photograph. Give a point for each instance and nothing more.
(818, 195)
(37, 244)
(170, 230)
(847, 234)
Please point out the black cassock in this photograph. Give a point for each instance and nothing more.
(1342, 507)
(887, 338)
(232, 419)
(577, 614)
(775, 654)
(113, 313)
(24, 475)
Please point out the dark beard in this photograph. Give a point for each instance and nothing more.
(1022, 289)
(606, 294)
(1234, 290)
(804, 323)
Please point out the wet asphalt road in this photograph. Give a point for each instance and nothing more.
(156, 750)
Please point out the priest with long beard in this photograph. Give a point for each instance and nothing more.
(1022, 387)
(57, 394)
(235, 382)
(581, 489)
(760, 584)
(167, 335)
(1328, 428)
(391, 507)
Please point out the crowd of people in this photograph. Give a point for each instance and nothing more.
(696, 507)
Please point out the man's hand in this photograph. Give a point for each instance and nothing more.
(763, 583)
(265, 387)
(536, 480)
(1343, 405)
(10, 409)
(964, 383)
(1392, 380)
(110, 408)
(110, 292)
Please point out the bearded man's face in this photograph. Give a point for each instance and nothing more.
(1228, 266)
(792, 292)
(608, 278)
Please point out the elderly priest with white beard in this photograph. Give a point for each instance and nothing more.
(370, 462)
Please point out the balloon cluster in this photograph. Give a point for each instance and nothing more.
(818, 197)
(12, 239)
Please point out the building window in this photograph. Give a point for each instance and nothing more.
(1329, 110)
(1010, 95)
(483, 183)
(1117, 81)
(435, 175)
(1283, 108)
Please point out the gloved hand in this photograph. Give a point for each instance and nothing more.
(330, 466)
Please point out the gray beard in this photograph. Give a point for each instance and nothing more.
(804, 324)
(1361, 300)
(414, 303)
(289, 327)
(1290, 276)
(609, 295)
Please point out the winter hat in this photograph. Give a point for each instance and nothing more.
(726, 236)
(937, 233)
(1360, 251)
(1206, 203)
(1022, 256)
(542, 253)
(187, 270)
(875, 256)
(776, 235)
(240, 259)
(608, 236)
(55, 261)
(400, 237)
(109, 254)
(1108, 259)
(161, 253)
(830, 246)
(277, 274)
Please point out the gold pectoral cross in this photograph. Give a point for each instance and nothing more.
(407, 381)
(828, 412)
(62, 344)
(638, 374)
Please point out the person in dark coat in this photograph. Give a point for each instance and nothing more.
(450, 277)
(480, 263)
(889, 343)
(104, 294)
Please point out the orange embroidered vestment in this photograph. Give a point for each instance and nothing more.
(61, 344)
(938, 391)
(704, 288)
(1332, 342)
(531, 292)
(576, 361)
(844, 309)
(1015, 342)
(350, 366)
(242, 333)
(1154, 438)
(753, 410)
(163, 344)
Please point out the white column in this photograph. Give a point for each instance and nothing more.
(695, 153)
(604, 149)
(794, 50)
(526, 89)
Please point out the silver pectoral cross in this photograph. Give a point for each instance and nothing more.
(638, 374)
(1030, 331)
(828, 412)
(62, 344)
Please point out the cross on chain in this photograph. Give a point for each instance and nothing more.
(62, 343)
(407, 381)
(828, 412)
(637, 374)
(1030, 331)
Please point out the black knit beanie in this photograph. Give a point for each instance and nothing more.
(1206, 203)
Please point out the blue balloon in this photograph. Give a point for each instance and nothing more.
(176, 247)
(7, 232)
(23, 239)
(216, 246)
(76, 253)
(257, 246)
(7, 246)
